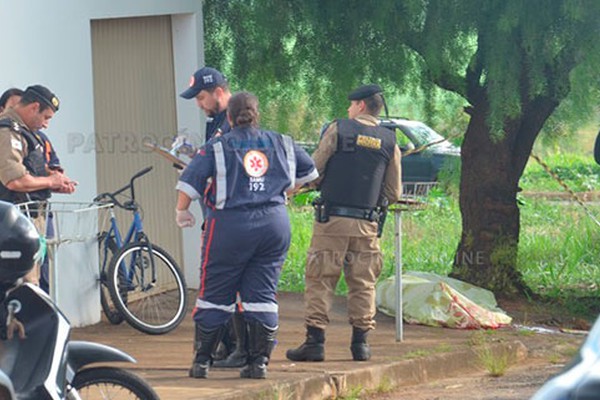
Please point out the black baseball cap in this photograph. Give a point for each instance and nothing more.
(204, 78)
(43, 95)
(364, 91)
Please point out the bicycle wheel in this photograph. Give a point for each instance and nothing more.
(111, 383)
(112, 313)
(153, 303)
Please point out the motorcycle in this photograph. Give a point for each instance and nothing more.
(38, 361)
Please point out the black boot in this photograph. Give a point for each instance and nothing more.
(313, 348)
(360, 348)
(238, 357)
(196, 338)
(261, 340)
(206, 346)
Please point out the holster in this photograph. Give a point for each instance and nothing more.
(382, 210)
(320, 208)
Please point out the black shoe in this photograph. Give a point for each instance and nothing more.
(254, 371)
(234, 360)
(261, 340)
(207, 341)
(238, 357)
(313, 348)
(360, 348)
(199, 370)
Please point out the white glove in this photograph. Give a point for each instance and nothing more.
(184, 218)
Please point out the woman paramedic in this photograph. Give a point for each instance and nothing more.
(243, 178)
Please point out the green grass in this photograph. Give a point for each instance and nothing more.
(559, 248)
(578, 171)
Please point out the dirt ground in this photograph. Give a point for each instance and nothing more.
(164, 360)
(519, 382)
(552, 336)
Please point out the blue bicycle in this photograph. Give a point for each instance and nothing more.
(140, 282)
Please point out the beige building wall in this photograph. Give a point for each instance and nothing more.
(134, 103)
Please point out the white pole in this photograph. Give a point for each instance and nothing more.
(398, 258)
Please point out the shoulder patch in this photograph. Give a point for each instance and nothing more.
(16, 144)
(9, 123)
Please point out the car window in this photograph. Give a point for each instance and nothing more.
(421, 134)
(403, 141)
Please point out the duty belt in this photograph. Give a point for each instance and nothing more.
(356, 213)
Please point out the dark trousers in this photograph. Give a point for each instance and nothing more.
(45, 266)
(243, 251)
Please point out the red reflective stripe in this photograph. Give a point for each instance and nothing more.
(209, 188)
(201, 249)
(206, 254)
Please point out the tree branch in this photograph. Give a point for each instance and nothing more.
(444, 78)
(473, 76)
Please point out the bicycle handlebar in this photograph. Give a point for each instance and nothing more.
(112, 196)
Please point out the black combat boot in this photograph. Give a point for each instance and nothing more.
(360, 348)
(196, 337)
(261, 340)
(206, 346)
(238, 357)
(313, 348)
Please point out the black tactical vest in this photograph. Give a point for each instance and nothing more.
(34, 162)
(355, 173)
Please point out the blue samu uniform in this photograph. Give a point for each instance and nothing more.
(242, 177)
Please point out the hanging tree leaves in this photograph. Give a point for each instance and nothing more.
(514, 62)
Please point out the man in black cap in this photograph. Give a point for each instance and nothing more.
(359, 174)
(211, 91)
(24, 175)
(9, 99)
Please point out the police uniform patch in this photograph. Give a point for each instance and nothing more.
(256, 163)
(368, 142)
(16, 144)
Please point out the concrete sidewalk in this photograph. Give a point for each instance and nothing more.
(425, 354)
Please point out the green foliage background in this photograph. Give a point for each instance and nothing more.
(302, 58)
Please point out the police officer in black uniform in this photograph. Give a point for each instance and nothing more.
(242, 177)
(359, 163)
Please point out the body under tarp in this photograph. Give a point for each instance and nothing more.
(435, 300)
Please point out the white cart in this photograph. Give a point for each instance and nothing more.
(71, 230)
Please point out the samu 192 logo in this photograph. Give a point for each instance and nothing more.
(256, 163)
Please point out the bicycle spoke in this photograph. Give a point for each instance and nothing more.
(153, 306)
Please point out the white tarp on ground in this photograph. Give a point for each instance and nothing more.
(434, 300)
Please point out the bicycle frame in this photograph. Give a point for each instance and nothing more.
(136, 228)
(134, 233)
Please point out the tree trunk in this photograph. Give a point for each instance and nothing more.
(491, 169)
